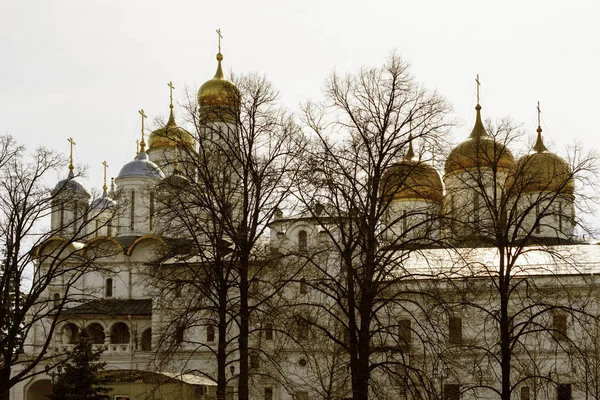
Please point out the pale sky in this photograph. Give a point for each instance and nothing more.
(83, 69)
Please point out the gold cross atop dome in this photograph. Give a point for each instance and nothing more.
(478, 85)
(219, 39)
(105, 165)
(142, 143)
(71, 142)
(539, 116)
(171, 87)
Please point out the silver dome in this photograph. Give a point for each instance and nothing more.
(141, 166)
(70, 185)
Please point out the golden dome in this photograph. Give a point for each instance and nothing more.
(480, 150)
(413, 179)
(218, 98)
(543, 171)
(171, 135)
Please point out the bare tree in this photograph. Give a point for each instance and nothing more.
(234, 184)
(520, 277)
(40, 266)
(357, 182)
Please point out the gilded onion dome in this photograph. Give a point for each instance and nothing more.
(218, 98)
(413, 179)
(543, 171)
(171, 135)
(480, 150)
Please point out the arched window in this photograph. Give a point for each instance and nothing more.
(95, 333)
(210, 333)
(70, 334)
(119, 334)
(303, 287)
(147, 340)
(302, 241)
(151, 211)
(108, 288)
(179, 334)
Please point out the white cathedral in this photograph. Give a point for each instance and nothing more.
(120, 309)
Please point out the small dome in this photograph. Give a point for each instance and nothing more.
(71, 185)
(480, 150)
(104, 202)
(543, 171)
(142, 167)
(413, 179)
(171, 135)
(218, 98)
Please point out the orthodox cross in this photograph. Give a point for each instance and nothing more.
(539, 114)
(478, 84)
(220, 37)
(71, 142)
(105, 165)
(171, 87)
(142, 143)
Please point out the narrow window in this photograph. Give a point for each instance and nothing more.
(109, 229)
(254, 361)
(404, 334)
(56, 299)
(302, 327)
(303, 287)
(75, 216)
(525, 393)
(451, 392)
(151, 211)
(269, 331)
(210, 333)
(132, 211)
(560, 217)
(404, 222)
(476, 208)
(564, 391)
(302, 241)
(62, 216)
(97, 230)
(455, 330)
(538, 222)
(559, 326)
(268, 393)
(178, 286)
(109, 287)
(179, 334)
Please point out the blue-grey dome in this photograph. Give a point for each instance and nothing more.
(141, 166)
(70, 185)
(104, 202)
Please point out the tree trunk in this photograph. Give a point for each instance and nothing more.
(243, 392)
(222, 349)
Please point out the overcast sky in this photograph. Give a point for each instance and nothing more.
(83, 69)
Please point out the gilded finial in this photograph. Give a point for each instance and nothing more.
(478, 130)
(219, 39)
(142, 143)
(219, 73)
(410, 153)
(539, 146)
(171, 87)
(71, 143)
(171, 121)
(478, 85)
(104, 187)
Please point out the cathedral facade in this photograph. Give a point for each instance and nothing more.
(428, 350)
